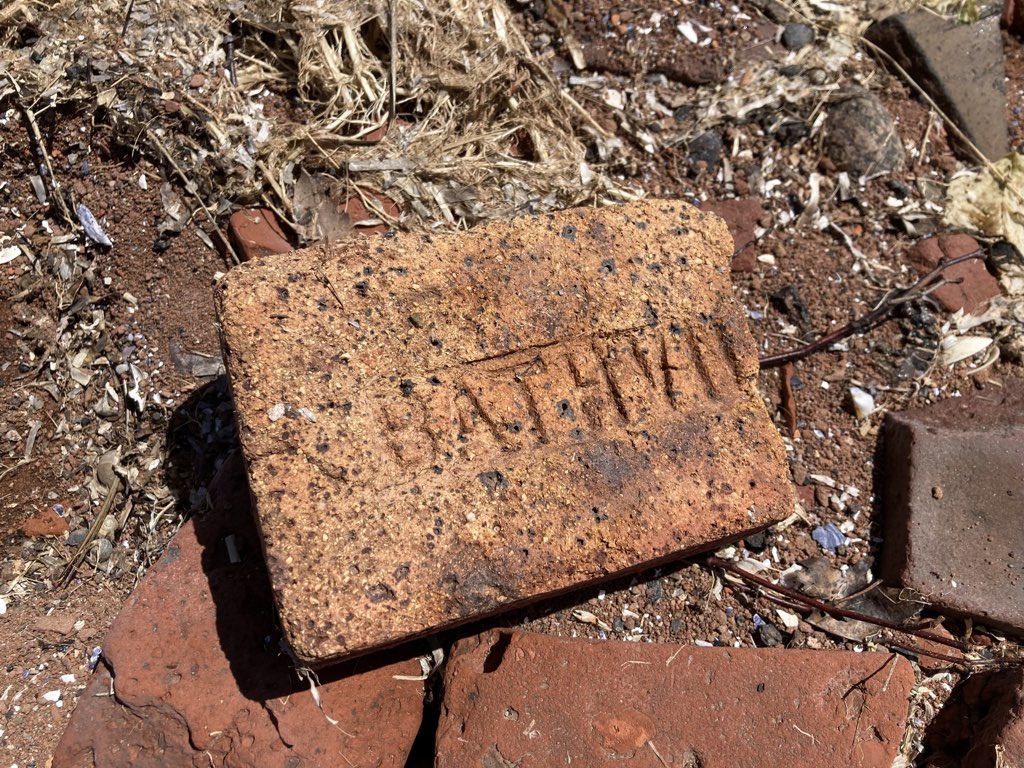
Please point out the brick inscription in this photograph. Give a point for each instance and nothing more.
(568, 391)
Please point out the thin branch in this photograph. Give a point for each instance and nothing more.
(37, 139)
(832, 610)
(69, 570)
(875, 317)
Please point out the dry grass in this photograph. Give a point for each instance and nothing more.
(440, 104)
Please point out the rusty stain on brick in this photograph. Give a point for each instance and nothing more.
(564, 409)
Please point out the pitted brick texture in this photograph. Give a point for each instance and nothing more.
(519, 699)
(438, 428)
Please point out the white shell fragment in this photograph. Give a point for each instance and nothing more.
(790, 620)
(686, 30)
(586, 617)
(956, 348)
(91, 226)
(863, 403)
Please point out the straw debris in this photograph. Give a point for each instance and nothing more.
(440, 104)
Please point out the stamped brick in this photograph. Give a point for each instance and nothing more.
(954, 501)
(192, 673)
(529, 700)
(441, 427)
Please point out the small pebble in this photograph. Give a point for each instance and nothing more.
(102, 549)
(108, 527)
(797, 36)
(76, 537)
(756, 542)
(769, 635)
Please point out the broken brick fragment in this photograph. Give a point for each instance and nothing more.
(975, 285)
(256, 233)
(529, 700)
(192, 672)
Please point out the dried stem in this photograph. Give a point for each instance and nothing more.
(37, 139)
(875, 317)
(69, 570)
(832, 610)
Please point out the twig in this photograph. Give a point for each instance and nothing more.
(330, 286)
(392, 60)
(229, 45)
(94, 529)
(657, 754)
(40, 147)
(191, 188)
(888, 679)
(127, 18)
(873, 318)
(832, 610)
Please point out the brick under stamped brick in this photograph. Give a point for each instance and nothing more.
(529, 700)
(441, 427)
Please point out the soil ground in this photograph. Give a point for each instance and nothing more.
(156, 295)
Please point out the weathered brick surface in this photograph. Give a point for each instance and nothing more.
(256, 233)
(975, 287)
(437, 428)
(954, 502)
(969, 89)
(529, 700)
(981, 725)
(198, 679)
(740, 216)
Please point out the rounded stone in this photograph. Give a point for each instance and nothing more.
(101, 550)
(707, 149)
(797, 36)
(861, 136)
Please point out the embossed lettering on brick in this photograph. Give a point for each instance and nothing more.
(441, 427)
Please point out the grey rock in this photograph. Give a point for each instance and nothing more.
(76, 537)
(769, 635)
(706, 148)
(861, 137)
(960, 66)
(101, 550)
(797, 36)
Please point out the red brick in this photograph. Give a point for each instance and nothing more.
(256, 232)
(513, 698)
(954, 501)
(982, 723)
(977, 286)
(362, 218)
(61, 623)
(199, 679)
(46, 523)
(741, 216)
(440, 428)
